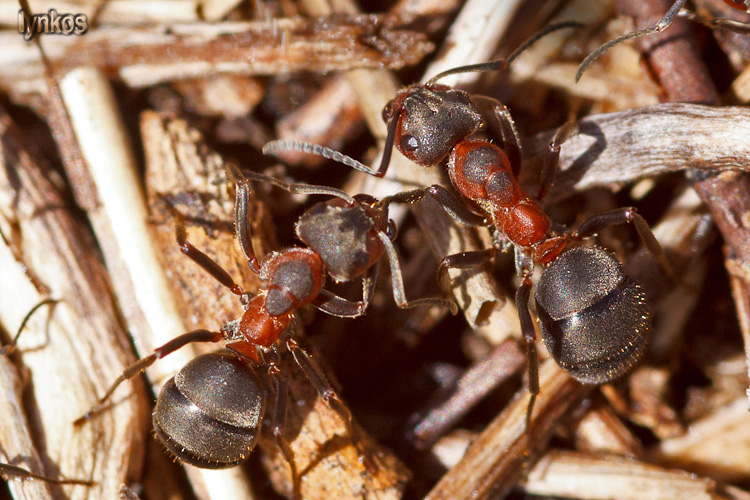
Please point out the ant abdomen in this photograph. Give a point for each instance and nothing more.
(209, 414)
(594, 318)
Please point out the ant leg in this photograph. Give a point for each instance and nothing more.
(279, 420)
(452, 205)
(7, 470)
(368, 285)
(529, 342)
(140, 365)
(552, 158)
(14, 246)
(242, 223)
(720, 23)
(7, 349)
(399, 294)
(334, 305)
(660, 26)
(503, 127)
(316, 377)
(626, 215)
(206, 262)
(463, 260)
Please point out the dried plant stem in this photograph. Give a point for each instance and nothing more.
(17, 445)
(716, 446)
(716, 140)
(676, 61)
(495, 461)
(576, 475)
(71, 351)
(120, 225)
(149, 55)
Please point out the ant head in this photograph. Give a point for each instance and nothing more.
(428, 120)
(344, 235)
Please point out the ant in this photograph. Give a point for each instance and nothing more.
(209, 414)
(594, 318)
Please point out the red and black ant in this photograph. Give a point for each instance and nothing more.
(594, 319)
(209, 414)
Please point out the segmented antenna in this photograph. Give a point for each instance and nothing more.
(278, 145)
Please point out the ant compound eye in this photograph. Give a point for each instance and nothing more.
(409, 143)
(387, 112)
(392, 230)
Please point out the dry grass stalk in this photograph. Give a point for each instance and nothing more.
(495, 461)
(717, 446)
(111, 12)
(143, 56)
(716, 139)
(576, 475)
(70, 352)
(635, 144)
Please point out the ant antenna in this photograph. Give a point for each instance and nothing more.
(501, 64)
(316, 149)
(660, 26)
(5, 350)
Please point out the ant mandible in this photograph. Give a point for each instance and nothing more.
(594, 319)
(209, 414)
